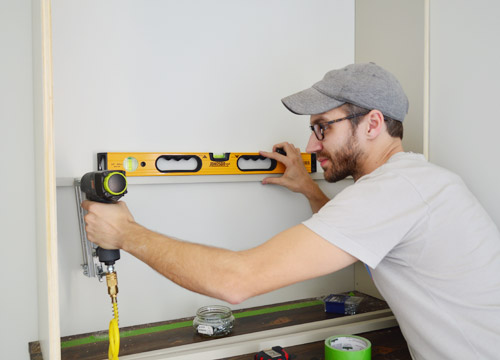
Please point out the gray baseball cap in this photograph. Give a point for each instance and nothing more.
(365, 85)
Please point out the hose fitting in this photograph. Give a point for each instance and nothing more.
(112, 283)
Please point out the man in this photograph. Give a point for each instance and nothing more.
(433, 252)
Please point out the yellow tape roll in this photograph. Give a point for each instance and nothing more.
(347, 347)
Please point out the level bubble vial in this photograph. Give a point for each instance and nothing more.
(130, 164)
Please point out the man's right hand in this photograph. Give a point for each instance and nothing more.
(107, 225)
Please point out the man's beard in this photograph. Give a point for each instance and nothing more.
(343, 162)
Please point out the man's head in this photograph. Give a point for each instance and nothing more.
(374, 103)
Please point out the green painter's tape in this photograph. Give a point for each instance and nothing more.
(347, 347)
(277, 308)
(126, 333)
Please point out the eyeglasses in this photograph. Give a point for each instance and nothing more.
(319, 128)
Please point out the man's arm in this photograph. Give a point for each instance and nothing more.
(294, 255)
(296, 177)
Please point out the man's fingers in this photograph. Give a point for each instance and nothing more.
(90, 205)
(284, 146)
(272, 180)
(272, 155)
(86, 204)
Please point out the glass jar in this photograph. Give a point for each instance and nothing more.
(213, 321)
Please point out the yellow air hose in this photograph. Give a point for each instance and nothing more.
(114, 335)
(114, 332)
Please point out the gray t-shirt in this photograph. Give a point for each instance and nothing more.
(433, 251)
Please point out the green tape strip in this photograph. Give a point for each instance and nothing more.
(277, 308)
(126, 333)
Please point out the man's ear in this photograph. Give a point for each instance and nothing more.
(375, 124)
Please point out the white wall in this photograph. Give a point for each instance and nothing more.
(465, 78)
(18, 300)
(391, 34)
(188, 75)
(185, 76)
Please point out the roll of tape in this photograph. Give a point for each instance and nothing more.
(347, 347)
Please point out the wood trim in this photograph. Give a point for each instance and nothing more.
(46, 214)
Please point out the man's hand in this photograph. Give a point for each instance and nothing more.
(107, 224)
(295, 178)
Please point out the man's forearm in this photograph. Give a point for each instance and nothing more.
(207, 270)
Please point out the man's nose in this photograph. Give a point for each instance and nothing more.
(314, 145)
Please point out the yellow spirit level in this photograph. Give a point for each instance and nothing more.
(164, 164)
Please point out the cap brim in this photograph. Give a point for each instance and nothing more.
(310, 102)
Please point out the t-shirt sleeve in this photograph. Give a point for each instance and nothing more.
(371, 217)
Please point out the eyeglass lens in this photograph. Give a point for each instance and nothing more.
(318, 131)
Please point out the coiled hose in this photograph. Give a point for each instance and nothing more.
(114, 335)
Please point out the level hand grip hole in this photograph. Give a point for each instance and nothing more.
(178, 163)
(255, 163)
